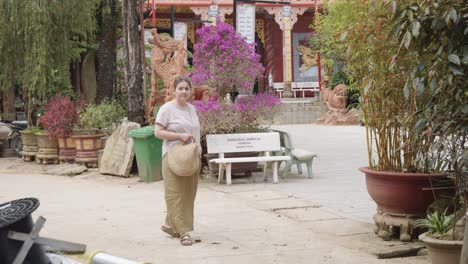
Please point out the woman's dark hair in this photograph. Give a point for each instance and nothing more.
(180, 79)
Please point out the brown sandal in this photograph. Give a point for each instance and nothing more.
(169, 231)
(186, 240)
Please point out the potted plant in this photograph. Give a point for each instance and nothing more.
(443, 245)
(29, 141)
(223, 59)
(436, 32)
(60, 115)
(402, 117)
(93, 120)
(249, 114)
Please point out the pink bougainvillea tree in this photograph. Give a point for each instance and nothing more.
(224, 60)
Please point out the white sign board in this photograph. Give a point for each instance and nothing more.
(228, 143)
(246, 21)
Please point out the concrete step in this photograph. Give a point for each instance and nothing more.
(299, 111)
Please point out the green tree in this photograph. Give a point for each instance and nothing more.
(108, 19)
(39, 39)
(133, 61)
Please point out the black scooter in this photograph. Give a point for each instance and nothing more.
(12, 129)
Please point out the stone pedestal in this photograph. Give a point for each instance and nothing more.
(385, 221)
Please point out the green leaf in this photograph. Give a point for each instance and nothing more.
(406, 91)
(455, 70)
(407, 39)
(343, 35)
(453, 15)
(416, 28)
(453, 58)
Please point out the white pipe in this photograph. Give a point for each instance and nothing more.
(103, 258)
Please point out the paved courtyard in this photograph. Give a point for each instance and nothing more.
(326, 219)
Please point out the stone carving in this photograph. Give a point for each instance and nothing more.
(337, 98)
(200, 11)
(225, 10)
(167, 62)
(118, 153)
(384, 221)
(292, 13)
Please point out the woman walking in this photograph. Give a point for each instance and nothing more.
(177, 123)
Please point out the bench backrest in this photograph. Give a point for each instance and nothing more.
(278, 86)
(243, 142)
(286, 141)
(306, 85)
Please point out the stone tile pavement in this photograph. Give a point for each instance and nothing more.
(337, 184)
(321, 220)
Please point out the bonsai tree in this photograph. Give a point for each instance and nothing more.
(224, 60)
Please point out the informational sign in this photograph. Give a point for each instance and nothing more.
(242, 142)
(246, 21)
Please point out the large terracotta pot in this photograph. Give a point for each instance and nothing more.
(48, 148)
(29, 140)
(401, 193)
(87, 147)
(443, 251)
(67, 149)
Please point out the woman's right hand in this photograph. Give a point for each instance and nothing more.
(185, 137)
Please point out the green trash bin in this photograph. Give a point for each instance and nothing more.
(148, 151)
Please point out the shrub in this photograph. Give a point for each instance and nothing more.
(59, 117)
(223, 59)
(106, 115)
(247, 114)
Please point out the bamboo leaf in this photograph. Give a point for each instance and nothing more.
(455, 70)
(416, 28)
(407, 39)
(453, 58)
(406, 91)
(453, 15)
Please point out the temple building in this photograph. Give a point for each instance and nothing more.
(281, 30)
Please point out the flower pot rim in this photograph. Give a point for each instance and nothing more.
(87, 136)
(424, 237)
(366, 170)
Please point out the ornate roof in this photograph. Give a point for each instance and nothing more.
(309, 3)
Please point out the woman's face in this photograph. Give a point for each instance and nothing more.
(182, 91)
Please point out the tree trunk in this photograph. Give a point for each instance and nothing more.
(9, 110)
(106, 56)
(132, 61)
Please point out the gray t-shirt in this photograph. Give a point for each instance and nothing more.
(179, 120)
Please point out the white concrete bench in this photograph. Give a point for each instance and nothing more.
(246, 142)
(278, 87)
(297, 87)
(305, 86)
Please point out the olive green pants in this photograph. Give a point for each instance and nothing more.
(180, 193)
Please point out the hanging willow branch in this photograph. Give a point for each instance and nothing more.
(38, 40)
